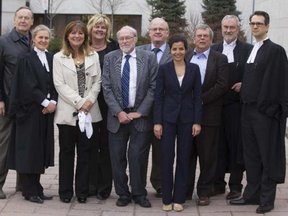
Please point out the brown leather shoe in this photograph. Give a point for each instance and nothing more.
(233, 195)
(203, 201)
(216, 192)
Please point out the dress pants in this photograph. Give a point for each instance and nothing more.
(100, 175)
(206, 147)
(184, 142)
(5, 133)
(230, 149)
(256, 128)
(155, 177)
(69, 136)
(138, 150)
(31, 185)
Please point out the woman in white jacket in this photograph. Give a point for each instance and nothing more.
(77, 79)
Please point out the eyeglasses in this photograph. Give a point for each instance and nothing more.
(252, 24)
(125, 38)
(158, 29)
(204, 36)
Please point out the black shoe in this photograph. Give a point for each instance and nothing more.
(233, 195)
(143, 202)
(216, 192)
(242, 202)
(159, 193)
(102, 196)
(123, 201)
(34, 199)
(43, 197)
(82, 199)
(263, 208)
(65, 200)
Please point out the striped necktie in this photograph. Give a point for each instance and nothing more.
(125, 82)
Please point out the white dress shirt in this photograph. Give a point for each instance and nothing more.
(254, 51)
(201, 60)
(180, 79)
(42, 56)
(228, 50)
(133, 77)
(161, 51)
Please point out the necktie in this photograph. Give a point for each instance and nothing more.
(125, 82)
(156, 50)
(25, 39)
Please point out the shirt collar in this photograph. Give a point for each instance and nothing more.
(133, 54)
(39, 51)
(233, 43)
(205, 54)
(162, 48)
(260, 42)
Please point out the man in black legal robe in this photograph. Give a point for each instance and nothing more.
(230, 152)
(264, 94)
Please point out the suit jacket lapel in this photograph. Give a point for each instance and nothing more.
(210, 67)
(140, 68)
(173, 74)
(117, 59)
(186, 76)
(165, 55)
(237, 51)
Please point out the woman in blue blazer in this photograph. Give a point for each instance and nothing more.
(177, 112)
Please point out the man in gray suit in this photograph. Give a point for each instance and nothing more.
(129, 79)
(12, 46)
(158, 32)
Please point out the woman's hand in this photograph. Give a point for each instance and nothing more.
(158, 130)
(196, 129)
(49, 109)
(87, 106)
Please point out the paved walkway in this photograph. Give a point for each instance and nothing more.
(15, 205)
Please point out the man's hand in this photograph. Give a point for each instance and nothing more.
(134, 115)
(158, 130)
(49, 109)
(237, 86)
(2, 108)
(196, 129)
(87, 106)
(124, 118)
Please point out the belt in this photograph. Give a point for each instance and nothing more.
(129, 109)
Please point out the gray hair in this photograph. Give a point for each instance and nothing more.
(231, 17)
(204, 27)
(40, 28)
(130, 28)
(159, 19)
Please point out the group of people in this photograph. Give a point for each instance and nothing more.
(225, 103)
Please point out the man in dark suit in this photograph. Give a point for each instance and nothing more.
(12, 46)
(214, 77)
(230, 152)
(158, 32)
(129, 79)
(264, 94)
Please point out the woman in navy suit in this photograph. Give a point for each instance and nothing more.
(177, 112)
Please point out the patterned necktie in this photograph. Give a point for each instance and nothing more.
(25, 39)
(156, 50)
(125, 82)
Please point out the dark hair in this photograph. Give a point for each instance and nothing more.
(261, 13)
(178, 38)
(84, 48)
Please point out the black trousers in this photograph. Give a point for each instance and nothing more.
(31, 185)
(206, 148)
(155, 177)
(69, 137)
(230, 150)
(138, 150)
(256, 128)
(184, 142)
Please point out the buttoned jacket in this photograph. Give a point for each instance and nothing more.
(66, 84)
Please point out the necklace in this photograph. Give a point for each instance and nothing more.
(98, 47)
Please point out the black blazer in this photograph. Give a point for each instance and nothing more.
(173, 102)
(214, 86)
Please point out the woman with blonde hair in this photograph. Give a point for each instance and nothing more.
(77, 79)
(100, 179)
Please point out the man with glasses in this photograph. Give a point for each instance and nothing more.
(230, 151)
(158, 33)
(214, 78)
(129, 80)
(12, 47)
(264, 94)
